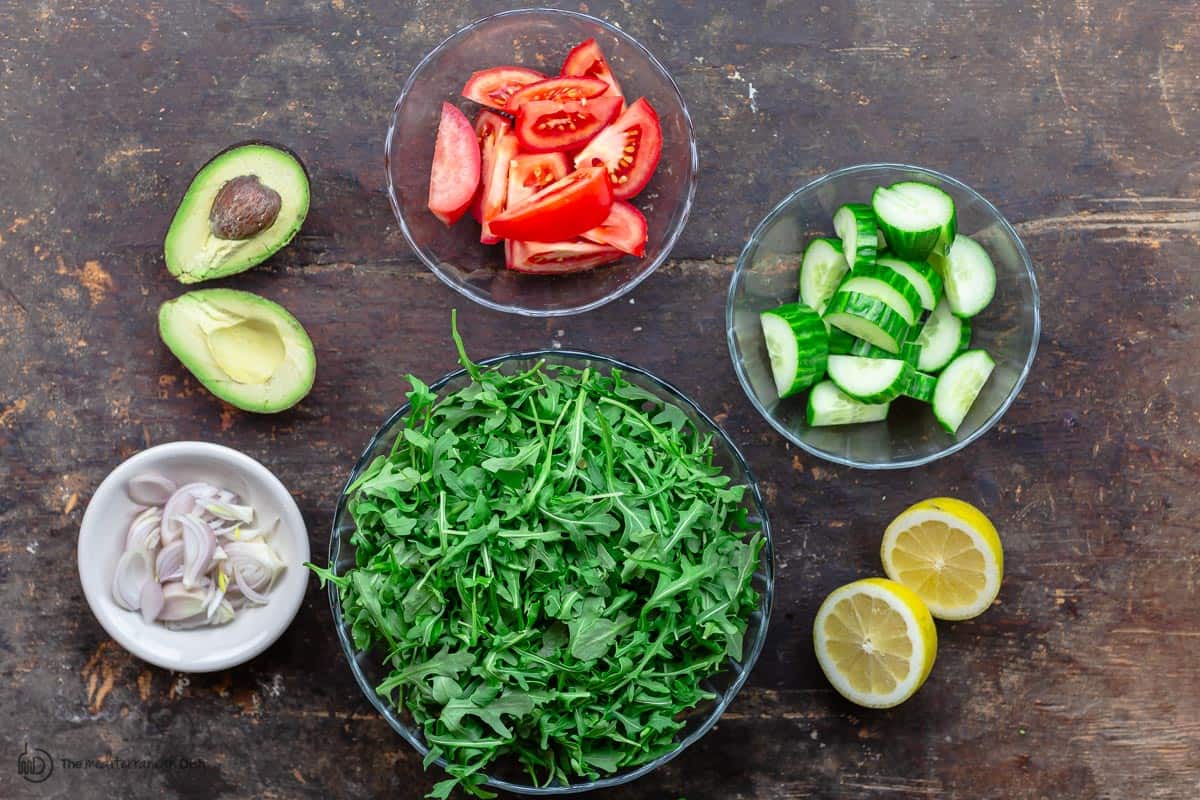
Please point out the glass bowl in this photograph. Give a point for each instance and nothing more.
(539, 38)
(766, 275)
(367, 666)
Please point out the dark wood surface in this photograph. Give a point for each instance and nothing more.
(1079, 120)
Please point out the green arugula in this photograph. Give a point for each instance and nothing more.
(551, 563)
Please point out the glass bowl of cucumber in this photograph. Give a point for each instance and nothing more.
(883, 316)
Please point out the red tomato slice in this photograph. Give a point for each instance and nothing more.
(560, 89)
(495, 185)
(563, 210)
(530, 173)
(455, 172)
(629, 149)
(544, 126)
(492, 87)
(625, 229)
(489, 127)
(558, 258)
(588, 61)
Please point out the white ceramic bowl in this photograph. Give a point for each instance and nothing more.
(102, 539)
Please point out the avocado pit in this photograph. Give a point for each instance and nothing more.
(244, 207)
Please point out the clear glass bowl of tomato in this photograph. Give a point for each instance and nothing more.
(539, 39)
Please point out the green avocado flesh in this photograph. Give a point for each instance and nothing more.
(195, 253)
(245, 349)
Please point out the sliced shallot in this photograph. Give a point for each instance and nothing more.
(150, 489)
(194, 555)
(133, 571)
(199, 544)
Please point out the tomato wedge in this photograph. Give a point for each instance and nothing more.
(492, 87)
(455, 172)
(563, 210)
(558, 258)
(495, 186)
(629, 149)
(587, 61)
(530, 173)
(561, 89)
(545, 126)
(489, 127)
(624, 229)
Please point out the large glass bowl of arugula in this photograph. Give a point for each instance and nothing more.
(682, 611)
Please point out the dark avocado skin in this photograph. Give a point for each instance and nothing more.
(180, 249)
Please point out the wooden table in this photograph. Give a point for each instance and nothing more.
(1078, 119)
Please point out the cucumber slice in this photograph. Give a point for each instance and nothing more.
(942, 338)
(870, 380)
(969, 276)
(924, 278)
(920, 387)
(854, 224)
(916, 219)
(843, 344)
(958, 386)
(910, 351)
(797, 345)
(867, 318)
(821, 270)
(829, 405)
(887, 286)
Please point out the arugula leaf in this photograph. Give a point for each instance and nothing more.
(551, 564)
(514, 703)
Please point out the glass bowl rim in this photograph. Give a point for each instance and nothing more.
(742, 673)
(672, 235)
(778, 211)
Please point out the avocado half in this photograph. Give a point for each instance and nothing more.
(245, 349)
(245, 204)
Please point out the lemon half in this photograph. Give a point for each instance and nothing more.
(875, 641)
(947, 552)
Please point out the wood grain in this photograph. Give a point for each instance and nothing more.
(1078, 119)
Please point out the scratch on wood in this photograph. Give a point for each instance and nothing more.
(1160, 77)
(17, 300)
(117, 156)
(1102, 220)
(1061, 93)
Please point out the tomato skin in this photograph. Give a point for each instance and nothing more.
(624, 229)
(588, 61)
(454, 176)
(545, 126)
(495, 193)
(563, 210)
(529, 173)
(562, 89)
(629, 171)
(492, 87)
(558, 258)
(489, 127)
